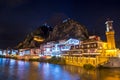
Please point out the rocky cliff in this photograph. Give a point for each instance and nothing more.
(65, 30)
(68, 29)
(41, 32)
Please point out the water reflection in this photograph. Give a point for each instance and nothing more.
(20, 70)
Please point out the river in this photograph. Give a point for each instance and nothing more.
(23, 70)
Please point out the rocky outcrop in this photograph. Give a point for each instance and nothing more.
(68, 29)
(29, 42)
(65, 30)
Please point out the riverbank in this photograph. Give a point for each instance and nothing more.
(87, 63)
(53, 60)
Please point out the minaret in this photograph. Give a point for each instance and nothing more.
(110, 35)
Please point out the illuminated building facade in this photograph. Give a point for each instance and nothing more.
(46, 49)
(35, 51)
(57, 48)
(1, 52)
(23, 52)
(96, 47)
(93, 47)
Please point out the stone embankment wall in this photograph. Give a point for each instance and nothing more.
(81, 61)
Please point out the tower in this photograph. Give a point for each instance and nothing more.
(110, 35)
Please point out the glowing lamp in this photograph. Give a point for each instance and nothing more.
(39, 39)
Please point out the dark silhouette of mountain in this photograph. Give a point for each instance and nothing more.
(68, 29)
(65, 30)
(29, 42)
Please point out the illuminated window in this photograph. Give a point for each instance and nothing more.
(85, 51)
(91, 45)
(95, 45)
(77, 46)
(88, 45)
(82, 46)
(47, 49)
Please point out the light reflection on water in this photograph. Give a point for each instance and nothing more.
(20, 70)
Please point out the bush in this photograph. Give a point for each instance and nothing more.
(56, 60)
(42, 59)
(88, 66)
(23, 59)
(33, 59)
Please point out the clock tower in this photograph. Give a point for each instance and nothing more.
(110, 35)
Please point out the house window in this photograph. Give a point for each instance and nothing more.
(95, 45)
(77, 46)
(72, 47)
(82, 46)
(88, 45)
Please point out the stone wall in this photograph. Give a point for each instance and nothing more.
(80, 61)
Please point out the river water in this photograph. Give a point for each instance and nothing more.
(21, 70)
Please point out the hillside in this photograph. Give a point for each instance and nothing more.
(65, 30)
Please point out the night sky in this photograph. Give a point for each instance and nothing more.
(20, 17)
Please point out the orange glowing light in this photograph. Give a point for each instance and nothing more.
(39, 39)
